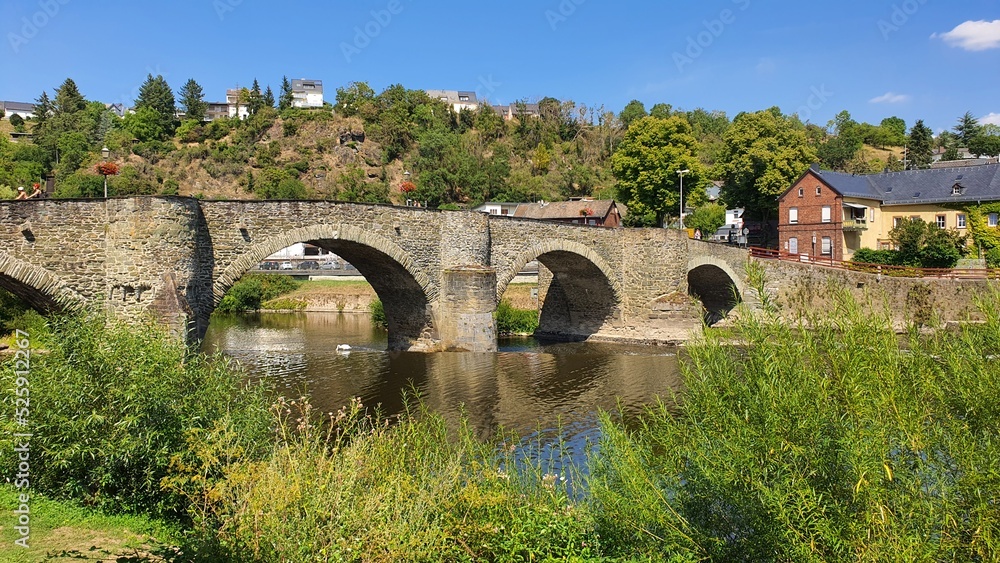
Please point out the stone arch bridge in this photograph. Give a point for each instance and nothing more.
(439, 274)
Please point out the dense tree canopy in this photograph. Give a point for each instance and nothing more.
(193, 101)
(763, 154)
(647, 162)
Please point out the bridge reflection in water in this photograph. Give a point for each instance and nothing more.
(525, 387)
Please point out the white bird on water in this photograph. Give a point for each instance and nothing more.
(343, 347)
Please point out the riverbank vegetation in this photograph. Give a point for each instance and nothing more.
(835, 443)
(253, 290)
(511, 320)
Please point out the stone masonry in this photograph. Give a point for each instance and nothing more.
(439, 274)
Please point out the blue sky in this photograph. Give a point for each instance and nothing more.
(918, 59)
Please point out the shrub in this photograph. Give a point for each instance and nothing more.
(515, 321)
(869, 256)
(253, 290)
(112, 408)
(378, 313)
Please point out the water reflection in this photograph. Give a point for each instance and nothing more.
(528, 387)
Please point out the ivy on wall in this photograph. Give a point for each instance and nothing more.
(984, 237)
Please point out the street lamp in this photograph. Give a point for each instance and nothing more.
(681, 173)
(105, 154)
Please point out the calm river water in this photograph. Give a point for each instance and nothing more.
(527, 387)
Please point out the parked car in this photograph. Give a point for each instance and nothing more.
(268, 266)
(287, 266)
(308, 265)
(328, 266)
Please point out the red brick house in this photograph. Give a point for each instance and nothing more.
(811, 218)
(600, 213)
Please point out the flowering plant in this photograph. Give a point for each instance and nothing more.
(407, 187)
(586, 211)
(107, 169)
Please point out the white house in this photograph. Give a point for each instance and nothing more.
(25, 110)
(307, 93)
(497, 208)
(457, 99)
(236, 108)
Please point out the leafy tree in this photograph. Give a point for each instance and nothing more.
(763, 153)
(837, 152)
(966, 129)
(193, 101)
(707, 218)
(925, 245)
(3, 113)
(633, 111)
(145, 124)
(985, 143)
(16, 121)
(285, 99)
(646, 165)
(895, 128)
(920, 148)
(664, 111)
(268, 97)
(156, 95)
(352, 185)
(356, 98)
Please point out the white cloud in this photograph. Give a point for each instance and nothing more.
(993, 118)
(890, 98)
(973, 35)
(766, 66)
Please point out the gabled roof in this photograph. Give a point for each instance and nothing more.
(18, 106)
(977, 183)
(565, 209)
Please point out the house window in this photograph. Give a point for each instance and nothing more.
(827, 247)
(793, 245)
(896, 221)
(793, 215)
(826, 213)
(992, 219)
(819, 190)
(941, 222)
(960, 221)
(956, 190)
(802, 192)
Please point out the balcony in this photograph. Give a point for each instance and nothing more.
(855, 225)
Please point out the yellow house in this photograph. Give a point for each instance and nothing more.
(875, 203)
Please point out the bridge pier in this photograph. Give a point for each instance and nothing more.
(464, 316)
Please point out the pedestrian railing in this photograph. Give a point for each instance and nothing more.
(878, 269)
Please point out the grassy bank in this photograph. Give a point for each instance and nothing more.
(66, 531)
(829, 444)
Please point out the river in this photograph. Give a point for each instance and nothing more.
(544, 390)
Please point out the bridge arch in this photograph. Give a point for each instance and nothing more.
(584, 294)
(37, 286)
(405, 291)
(715, 282)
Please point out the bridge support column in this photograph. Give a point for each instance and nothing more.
(464, 317)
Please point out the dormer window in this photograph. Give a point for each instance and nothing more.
(956, 189)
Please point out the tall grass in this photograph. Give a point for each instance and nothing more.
(111, 408)
(830, 444)
(361, 489)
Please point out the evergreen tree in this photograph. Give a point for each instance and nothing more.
(156, 94)
(256, 99)
(43, 110)
(285, 100)
(268, 98)
(193, 101)
(967, 129)
(69, 100)
(920, 147)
